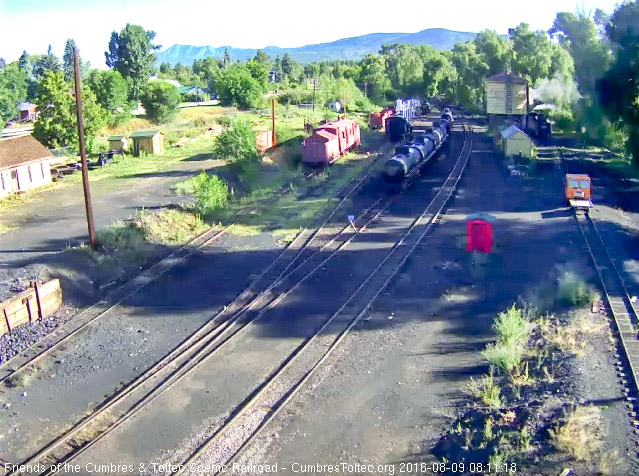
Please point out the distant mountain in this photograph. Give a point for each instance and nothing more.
(353, 48)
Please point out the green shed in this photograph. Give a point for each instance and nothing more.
(515, 142)
(118, 143)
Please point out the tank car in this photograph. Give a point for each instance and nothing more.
(413, 154)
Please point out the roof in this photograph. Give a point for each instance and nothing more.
(327, 136)
(21, 150)
(145, 134)
(192, 89)
(26, 106)
(511, 131)
(506, 77)
(578, 176)
(115, 137)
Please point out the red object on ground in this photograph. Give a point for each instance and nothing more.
(479, 236)
(378, 119)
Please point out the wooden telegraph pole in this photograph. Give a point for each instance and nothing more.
(83, 153)
(273, 114)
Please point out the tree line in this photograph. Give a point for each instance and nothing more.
(585, 65)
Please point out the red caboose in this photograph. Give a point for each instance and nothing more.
(330, 141)
(378, 119)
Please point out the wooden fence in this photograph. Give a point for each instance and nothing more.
(37, 302)
(17, 132)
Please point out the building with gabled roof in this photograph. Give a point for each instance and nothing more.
(149, 142)
(24, 164)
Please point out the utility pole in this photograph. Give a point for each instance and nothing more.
(83, 153)
(273, 114)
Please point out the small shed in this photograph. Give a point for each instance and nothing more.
(264, 141)
(24, 165)
(118, 143)
(335, 106)
(149, 142)
(27, 111)
(516, 142)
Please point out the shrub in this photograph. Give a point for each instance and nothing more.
(210, 192)
(512, 326)
(237, 142)
(564, 119)
(121, 235)
(160, 100)
(574, 290)
(196, 97)
(237, 87)
(505, 356)
(615, 138)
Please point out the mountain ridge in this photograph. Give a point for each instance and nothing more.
(352, 48)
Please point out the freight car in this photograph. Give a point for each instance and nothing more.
(377, 120)
(330, 141)
(397, 127)
(413, 154)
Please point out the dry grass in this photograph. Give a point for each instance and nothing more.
(573, 336)
(170, 227)
(580, 434)
(6, 228)
(486, 390)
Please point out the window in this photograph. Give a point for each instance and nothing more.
(573, 183)
(14, 175)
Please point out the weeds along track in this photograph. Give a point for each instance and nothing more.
(292, 266)
(622, 309)
(60, 336)
(228, 441)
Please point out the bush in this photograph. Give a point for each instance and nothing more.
(160, 100)
(615, 138)
(512, 327)
(210, 192)
(237, 87)
(564, 119)
(121, 235)
(196, 97)
(574, 290)
(505, 356)
(237, 142)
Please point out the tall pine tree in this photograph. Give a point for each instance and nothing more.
(67, 60)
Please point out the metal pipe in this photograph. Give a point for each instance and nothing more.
(273, 114)
(83, 152)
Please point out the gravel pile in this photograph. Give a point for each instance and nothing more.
(26, 335)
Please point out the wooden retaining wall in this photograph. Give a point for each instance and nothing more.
(37, 302)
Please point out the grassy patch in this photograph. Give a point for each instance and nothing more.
(579, 434)
(121, 235)
(6, 228)
(210, 192)
(572, 336)
(239, 229)
(286, 235)
(170, 227)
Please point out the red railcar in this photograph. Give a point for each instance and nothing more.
(330, 141)
(378, 119)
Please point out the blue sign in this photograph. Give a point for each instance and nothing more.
(351, 218)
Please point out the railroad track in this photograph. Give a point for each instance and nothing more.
(272, 396)
(213, 335)
(622, 309)
(60, 336)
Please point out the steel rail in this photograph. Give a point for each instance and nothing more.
(207, 335)
(443, 195)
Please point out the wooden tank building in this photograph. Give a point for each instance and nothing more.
(506, 98)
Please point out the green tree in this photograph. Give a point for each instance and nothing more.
(112, 93)
(259, 72)
(262, 58)
(57, 123)
(13, 90)
(471, 72)
(440, 76)
(48, 62)
(237, 142)
(160, 100)
(24, 63)
(373, 76)
(532, 52)
(237, 87)
(619, 88)
(167, 71)
(207, 69)
(561, 63)
(494, 49)
(287, 64)
(131, 53)
(311, 70)
(226, 59)
(404, 68)
(68, 65)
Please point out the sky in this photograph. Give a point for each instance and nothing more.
(32, 25)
